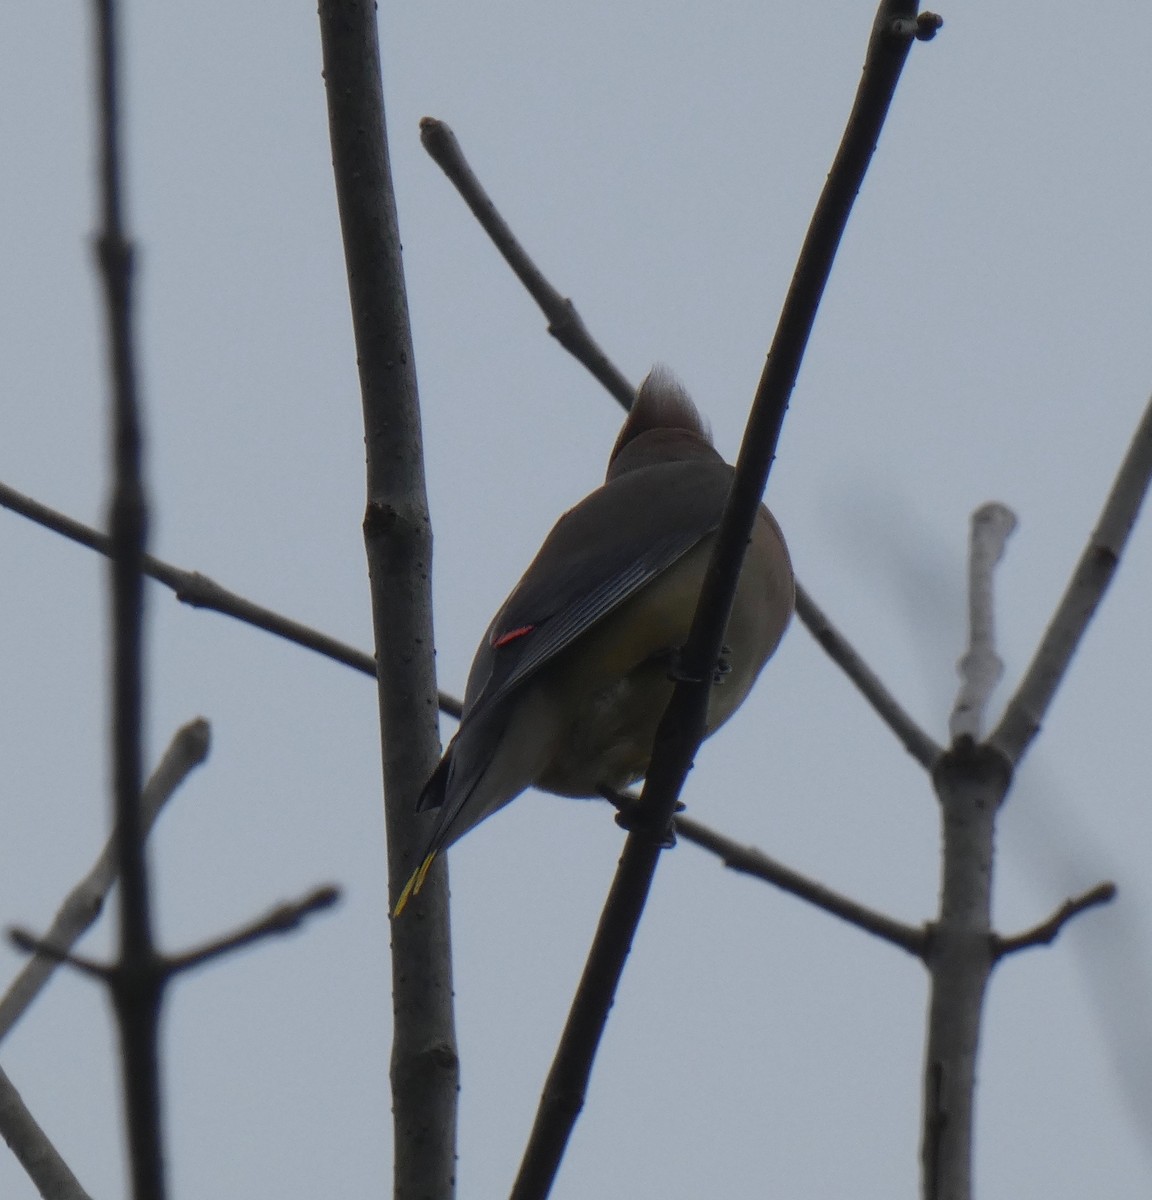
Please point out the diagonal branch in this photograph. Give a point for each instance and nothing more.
(750, 861)
(199, 591)
(1025, 711)
(1047, 931)
(564, 322)
(682, 726)
(284, 918)
(919, 744)
(50, 1174)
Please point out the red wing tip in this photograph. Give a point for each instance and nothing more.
(502, 639)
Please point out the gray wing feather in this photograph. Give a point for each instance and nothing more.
(655, 516)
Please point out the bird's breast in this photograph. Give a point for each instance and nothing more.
(609, 689)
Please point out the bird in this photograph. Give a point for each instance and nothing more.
(574, 672)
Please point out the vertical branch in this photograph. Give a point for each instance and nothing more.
(971, 781)
(398, 541)
(137, 983)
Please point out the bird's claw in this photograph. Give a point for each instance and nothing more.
(723, 665)
(631, 815)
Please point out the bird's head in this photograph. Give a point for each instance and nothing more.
(662, 426)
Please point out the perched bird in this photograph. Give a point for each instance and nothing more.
(576, 669)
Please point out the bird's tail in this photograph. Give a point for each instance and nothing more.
(414, 884)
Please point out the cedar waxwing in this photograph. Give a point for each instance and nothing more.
(576, 669)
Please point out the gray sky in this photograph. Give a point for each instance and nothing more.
(985, 336)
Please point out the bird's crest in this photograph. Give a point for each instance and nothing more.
(662, 406)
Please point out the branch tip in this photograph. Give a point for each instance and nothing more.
(284, 918)
(30, 944)
(923, 27)
(1047, 931)
(928, 25)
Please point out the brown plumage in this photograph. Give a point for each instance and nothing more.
(573, 675)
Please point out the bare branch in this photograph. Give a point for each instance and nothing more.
(398, 542)
(564, 322)
(750, 861)
(971, 781)
(29, 943)
(1025, 711)
(200, 591)
(29, 1143)
(138, 994)
(918, 743)
(1047, 931)
(284, 918)
(682, 726)
(980, 668)
(191, 587)
(82, 905)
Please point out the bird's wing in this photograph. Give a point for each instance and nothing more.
(603, 551)
(507, 659)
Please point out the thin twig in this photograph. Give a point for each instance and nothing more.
(1025, 711)
(398, 543)
(915, 740)
(980, 668)
(1047, 931)
(199, 591)
(682, 726)
(50, 1174)
(750, 861)
(284, 918)
(564, 322)
(27, 942)
(82, 905)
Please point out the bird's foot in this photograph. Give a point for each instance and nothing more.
(631, 814)
(723, 665)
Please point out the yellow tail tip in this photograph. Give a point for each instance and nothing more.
(414, 884)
